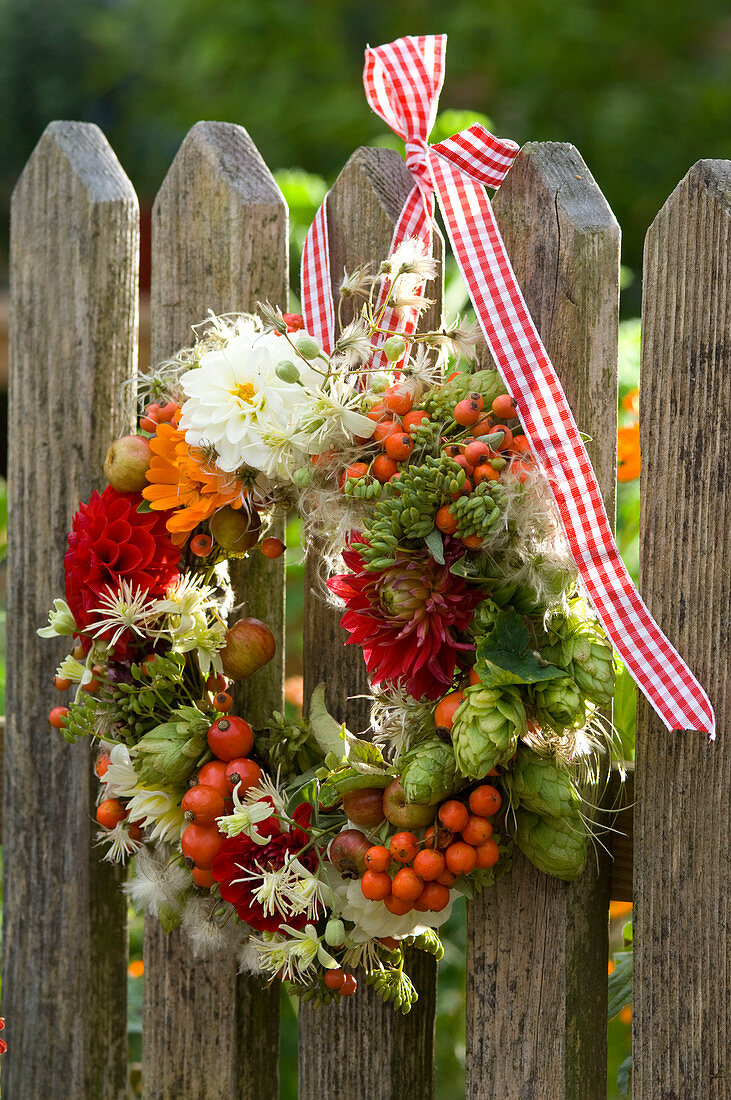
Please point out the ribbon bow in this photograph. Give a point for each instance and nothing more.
(402, 83)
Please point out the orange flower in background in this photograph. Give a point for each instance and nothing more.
(628, 453)
(180, 483)
(631, 402)
(628, 440)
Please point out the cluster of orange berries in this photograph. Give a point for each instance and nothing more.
(341, 981)
(395, 423)
(155, 414)
(231, 740)
(460, 842)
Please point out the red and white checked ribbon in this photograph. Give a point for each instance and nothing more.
(402, 82)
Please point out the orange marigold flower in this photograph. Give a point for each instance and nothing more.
(181, 483)
(628, 453)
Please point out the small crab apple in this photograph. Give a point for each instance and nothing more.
(234, 529)
(347, 853)
(404, 814)
(334, 979)
(201, 844)
(243, 771)
(110, 812)
(249, 646)
(364, 807)
(126, 463)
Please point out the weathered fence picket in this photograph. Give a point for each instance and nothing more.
(537, 949)
(74, 248)
(219, 242)
(334, 1059)
(682, 1004)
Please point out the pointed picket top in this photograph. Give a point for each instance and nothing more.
(682, 882)
(81, 150)
(73, 272)
(363, 207)
(206, 256)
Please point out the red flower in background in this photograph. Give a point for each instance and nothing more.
(240, 857)
(405, 618)
(110, 541)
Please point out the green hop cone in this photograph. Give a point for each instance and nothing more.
(555, 845)
(559, 703)
(578, 645)
(168, 755)
(592, 667)
(486, 615)
(538, 784)
(487, 725)
(428, 771)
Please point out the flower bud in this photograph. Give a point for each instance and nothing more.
(302, 478)
(334, 933)
(378, 381)
(60, 621)
(394, 348)
(287, 372)
(306, 346)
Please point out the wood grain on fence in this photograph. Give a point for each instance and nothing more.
(359, 1047)
(220, 243)
(74, 247)
(682, 1002)
(536, 947)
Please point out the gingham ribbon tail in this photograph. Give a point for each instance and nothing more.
(402, 83)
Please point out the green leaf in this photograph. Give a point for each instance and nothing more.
(346, 778)
(327, 732)
(362, 755)
(624, 1077)
(503, 656)
(435, 545)
(503, 667)
(620, 983)
(510, 632)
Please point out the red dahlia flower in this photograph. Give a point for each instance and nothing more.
(241, 857)
(405, 618)
(111, 541)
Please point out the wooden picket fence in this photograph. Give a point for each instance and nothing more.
(537, 948)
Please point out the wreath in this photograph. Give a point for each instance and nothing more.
(301, 849)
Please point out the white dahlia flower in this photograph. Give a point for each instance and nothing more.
(235, 397)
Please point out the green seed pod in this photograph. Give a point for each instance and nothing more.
(334, 932)
(487, 725)
(302, 477)
(428, 771)
(394, 348)
(559, 703)
(287, 372)
(538, 784)
(555, 845)
(378, 381)
(306, 346)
